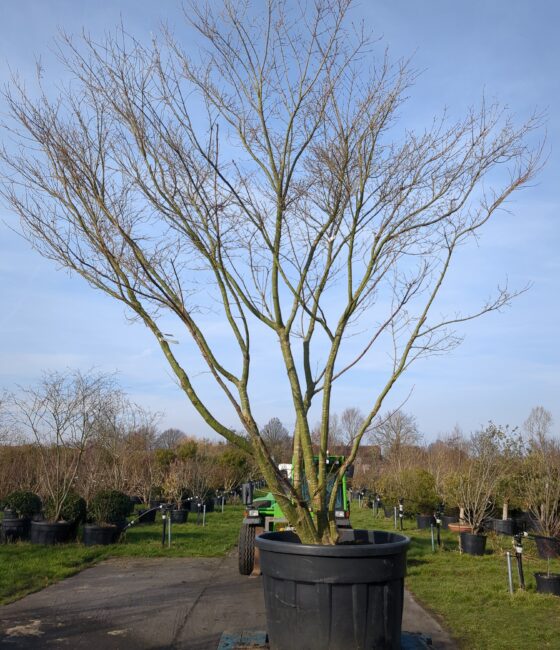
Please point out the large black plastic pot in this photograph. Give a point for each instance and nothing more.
(147, 516)
(548, 583)
(505, 526)
(10, 514)
(547, 547)
(198, 506)
(49, 532)
(448, 519)
(15, 528)
(334, 597)
(424, 521)
(179, 516)
(473, 544)
(94, 534)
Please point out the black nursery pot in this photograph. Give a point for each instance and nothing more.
(15, 528)
(547, 547)
(548, 584)
(473, 544)
(179, 516)
(334, 597)
(424, 521)
(93, 534)
(504, 526)
(147, 516)
(448, 519)
(49, 532)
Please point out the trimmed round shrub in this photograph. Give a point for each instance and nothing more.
(26, 504)
(109, 507)
(74, 509)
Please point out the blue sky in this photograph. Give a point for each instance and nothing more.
(508, 362)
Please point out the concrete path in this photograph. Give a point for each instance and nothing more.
(149, 604)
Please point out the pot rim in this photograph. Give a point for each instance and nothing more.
(544, 575)
(270, 542)
(96, 525)
(51, 523)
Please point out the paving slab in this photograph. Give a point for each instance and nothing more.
(155, 603)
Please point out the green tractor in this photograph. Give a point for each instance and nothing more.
(264, 514)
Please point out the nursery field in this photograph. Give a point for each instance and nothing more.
(28, 567)
(470, 594)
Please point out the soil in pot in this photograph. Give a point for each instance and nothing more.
(473, 544)
(51, 532)
(94, 534)
(15, 528)
(179, 516)
(424, 521)
(334, 597)
(548, 583)
(547, 547)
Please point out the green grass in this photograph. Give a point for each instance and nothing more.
(470, 594)
(28, 567)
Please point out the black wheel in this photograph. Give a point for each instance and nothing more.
(246, 549)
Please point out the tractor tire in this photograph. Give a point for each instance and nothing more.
(246, 549)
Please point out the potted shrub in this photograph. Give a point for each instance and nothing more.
(61, 414)
(61, 522)
(107, 510)
(420, 492)
(175, 491)
(330, 232)
(509, 490)
(22, 507)
(541, 484)
(476, 486)
(548, 547)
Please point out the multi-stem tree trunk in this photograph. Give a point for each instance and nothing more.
(265, 183)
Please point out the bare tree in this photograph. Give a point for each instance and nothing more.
(277, 439)
(61, 415)
(541, 472)
(170, 438)
(266, 181)
(476, 485)
(538, 426)
(396, 433)
(351, 421)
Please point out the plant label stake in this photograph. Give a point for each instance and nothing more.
(518, 546)
(401, 513)
(433, 541)
(395, 513)
(223, 503)
(204, 515)
(510, 579)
